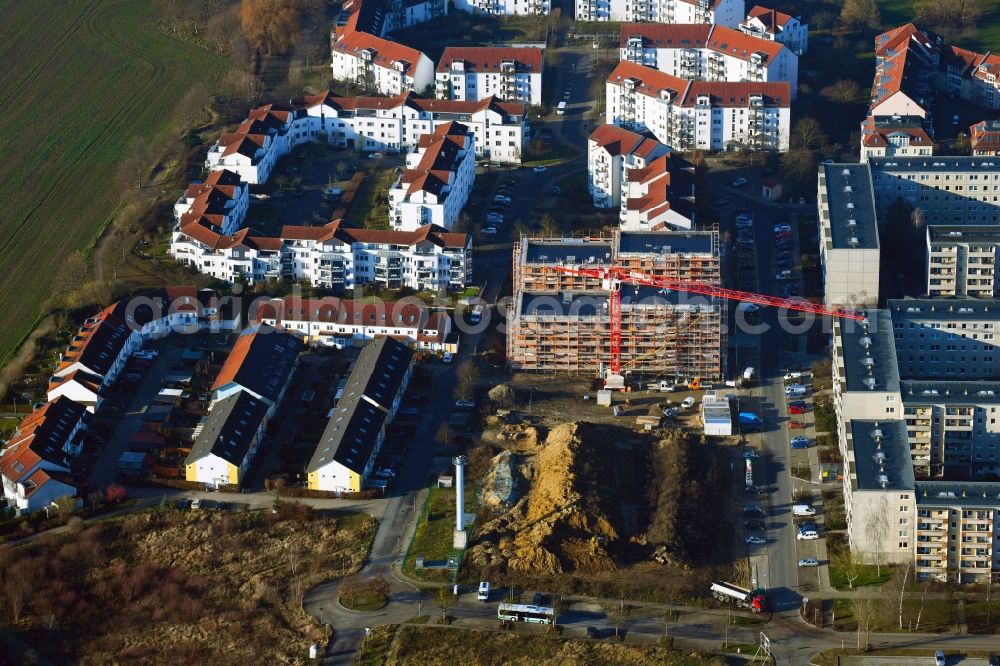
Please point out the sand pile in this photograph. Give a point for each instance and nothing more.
(555, 527)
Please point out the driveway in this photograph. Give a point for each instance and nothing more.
(105, 468)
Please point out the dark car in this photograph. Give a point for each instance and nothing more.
(758, 525)
(993, 659)
(753, 490)
(797, 403)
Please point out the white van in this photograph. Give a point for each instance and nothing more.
(688, 403)
(561, 109)
(484, 591)
(803, 510)
(795, 390)
(807, 535)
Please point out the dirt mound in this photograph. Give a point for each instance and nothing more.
(555, 527)
(518, 437)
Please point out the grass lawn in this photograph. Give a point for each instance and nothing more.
(375, 648)
(976, 617)
(937, 615)
(432, 539)
(433, 645)
(364, 601)
(370, 206)
(869, 576)
(81, 78)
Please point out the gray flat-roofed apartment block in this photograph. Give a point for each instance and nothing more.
(948, 190)
(849, 243)
(948, 392)
(868, 353)
(878, 483)
(947, 338)
(684, 242)
(566, 250)
(958, 493)
(962, 260)
(881, 455)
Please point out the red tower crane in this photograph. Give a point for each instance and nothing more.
(613, 276)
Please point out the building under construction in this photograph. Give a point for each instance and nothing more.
(560, 322)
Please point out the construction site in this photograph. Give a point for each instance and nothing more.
(564, 313)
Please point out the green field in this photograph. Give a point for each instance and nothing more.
(80, 79)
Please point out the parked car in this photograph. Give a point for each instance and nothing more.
(739, 182)
(939, 659)
(800, 442)
(502, 199)
(447, 357)
(993, 659)
(759, 525)
(755, 540)
(809, 562)
(540, 169)
(782, 227)
(795, 409)
(752, 490)
(783, 275)
(196, 504)
(465, 404)
(752, 508)
(490, 231)
(555, 189)
(796, 425)
(750, 453)
(807, 535)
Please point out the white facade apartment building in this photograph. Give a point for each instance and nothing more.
(973, 76)
(251, 151)
(690, 115)
(848, 235)
(638, 174)
(722, 12)
(344, 323)
(777, 26)
(395, 124)
(962, 261)
(504, 7)
(437, 181)
(334, 256)
(221, 202)
(472, 73)
(705, 52)
(894, 136)
(380, 66)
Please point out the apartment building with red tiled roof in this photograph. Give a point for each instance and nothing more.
(719, 12)
(637, 173)
(337, 256)
(346, 323)
(890, 136)
(437, 181)
(906, 63)
(703, 52)
(33, 465)
(690, 115)
(984, 138)
(471, 73)
(972, 76)
(782, 25)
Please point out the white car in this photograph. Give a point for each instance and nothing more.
(782, 227)
(502, 199)
(196, 504)
(783, 275)
(490, 231)
(540, 169)
(807, 536)
(809, 562)
(754, 539)
(465, 404)
(792, 375)
(739, 182)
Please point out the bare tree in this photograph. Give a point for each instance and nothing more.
(349, 588)
(860, 13)
(502, 395)
(923, 598)
(294, 556)
(444, 601)
(843, 559)
(379, 586)
(898, 589)
(468, 376)
(877, 528)
(866, 612)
